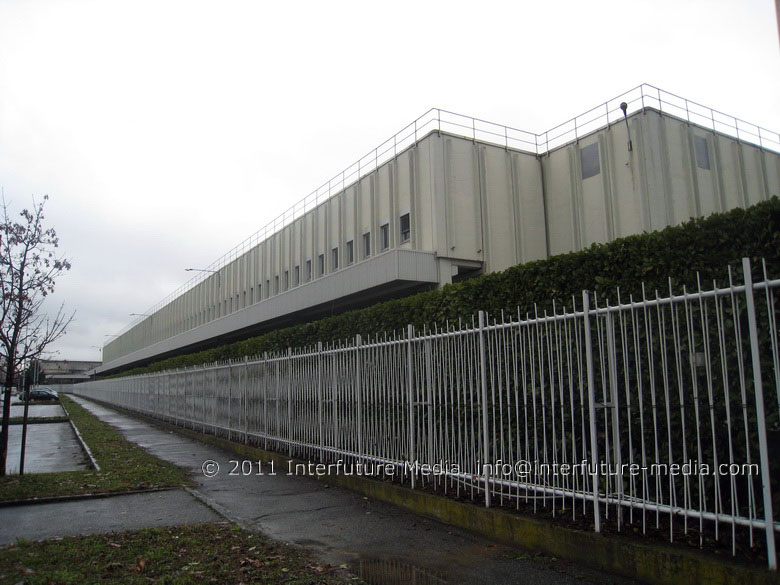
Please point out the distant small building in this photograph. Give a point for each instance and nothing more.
(64, 371)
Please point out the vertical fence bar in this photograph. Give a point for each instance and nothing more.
(319, 402)
(617, 455)
(410, 398)
(230, 399)
(483, 387)
(429, 399)
(760, 420)
(358, 392)
(594, 447)
(244, 401)
(289, 402)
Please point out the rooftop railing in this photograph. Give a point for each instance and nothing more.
(436, 119)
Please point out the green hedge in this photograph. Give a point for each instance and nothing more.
(706, 246)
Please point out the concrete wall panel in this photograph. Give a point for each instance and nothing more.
(463, 200)
(475, 203)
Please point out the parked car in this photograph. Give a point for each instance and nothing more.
(43, 394)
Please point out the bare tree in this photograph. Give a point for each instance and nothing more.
(29, 267)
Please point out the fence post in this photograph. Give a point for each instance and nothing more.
(759, 395)
(265, 400)
(277, 393)
(410, 399)
(594, 447)
(483, 387)
(359, 391)
(319, 401)
(245, 401)
(429, 399)
(289, 402)
(230, 401)
(240, 402)
(617, 455)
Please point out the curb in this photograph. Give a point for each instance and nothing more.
(81, 439)
(76, 497)
(39, 421)
(655, 563)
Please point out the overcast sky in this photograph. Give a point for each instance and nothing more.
(166, 132)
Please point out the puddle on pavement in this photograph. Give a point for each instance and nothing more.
(381, 572)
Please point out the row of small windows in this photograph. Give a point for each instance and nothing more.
(590, 162)
(232, 304)
(228, 305)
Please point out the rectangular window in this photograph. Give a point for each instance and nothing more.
(251, 295)
(276, 284)
(297, 276)
(702, 152)
(244, 304)
(366, 244)
(406, 228)
(334, 259)
(320, 264)
(589, 157)
(308, 270)
(268, 287)
(286, 279)
(384, 232)
(350, 253)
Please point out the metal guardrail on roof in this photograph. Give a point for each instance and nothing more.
(637, 99)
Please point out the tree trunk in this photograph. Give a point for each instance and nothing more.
(9, 382)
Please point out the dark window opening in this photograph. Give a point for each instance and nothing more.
(406, 228)
(589, 157)
(702, 152)
(366, 244)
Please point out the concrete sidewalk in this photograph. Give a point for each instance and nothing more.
(380, 542)
(49, 447)
(112, 513)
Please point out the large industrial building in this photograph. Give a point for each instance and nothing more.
(450, 197)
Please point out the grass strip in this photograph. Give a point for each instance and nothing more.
(179, 555)
(123, 466)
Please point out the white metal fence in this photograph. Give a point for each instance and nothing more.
(658, 412)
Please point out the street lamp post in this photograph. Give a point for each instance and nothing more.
(204, 270)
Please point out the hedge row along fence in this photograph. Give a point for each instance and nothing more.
(698, 247)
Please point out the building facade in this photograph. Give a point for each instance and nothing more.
(455, 197)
